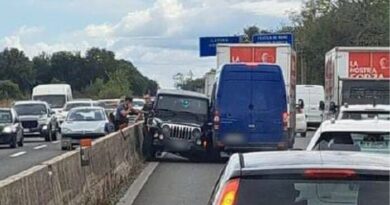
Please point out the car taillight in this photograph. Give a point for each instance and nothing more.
(216, 120)
(285, 120)
(329, 173)
(229, 193)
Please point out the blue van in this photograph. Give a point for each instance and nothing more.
(249, 108)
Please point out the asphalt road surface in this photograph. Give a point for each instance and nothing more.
(179, 182)
(34, 152)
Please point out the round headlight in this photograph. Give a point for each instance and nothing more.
(196, 133)
(8, 129)
(166, 130)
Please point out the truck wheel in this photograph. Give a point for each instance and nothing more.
(303, 134)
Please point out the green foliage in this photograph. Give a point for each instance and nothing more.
(97, 74)
(9, 90)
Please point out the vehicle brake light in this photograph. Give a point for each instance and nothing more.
(216, 120)
(286, 118)
(229, 193)
(329, 173)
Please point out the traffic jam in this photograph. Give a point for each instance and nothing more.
(250, 116)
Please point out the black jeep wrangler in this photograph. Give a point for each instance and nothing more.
(178, 123)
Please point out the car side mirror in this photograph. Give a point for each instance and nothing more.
(300, 104)
(17, 120)
(333, 107)
(52, 112)
(322, 105)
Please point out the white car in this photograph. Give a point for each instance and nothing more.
(352, 135)
(300, 122)
(73, 104)
(138, 103)
(361, 112)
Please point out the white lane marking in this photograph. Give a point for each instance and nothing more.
(40, 147)
(56, 142)
(17, 154)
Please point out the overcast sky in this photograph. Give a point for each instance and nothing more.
(159, 36)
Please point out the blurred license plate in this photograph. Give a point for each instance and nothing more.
(26, 130)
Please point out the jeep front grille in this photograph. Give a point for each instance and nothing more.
(181, 131)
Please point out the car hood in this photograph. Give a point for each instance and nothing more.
(30, 117)
(180, 122)
(84, 125)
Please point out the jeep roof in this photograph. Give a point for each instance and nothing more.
(181, 92)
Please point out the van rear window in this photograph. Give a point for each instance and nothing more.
(312, 192)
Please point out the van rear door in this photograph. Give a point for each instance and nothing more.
(234, 99)
(268, 105)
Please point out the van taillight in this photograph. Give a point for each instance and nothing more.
(286, 118)
(216, 120)
(229, 193)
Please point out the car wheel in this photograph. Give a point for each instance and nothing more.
(303, 134)
(14, 142)
(49, 135)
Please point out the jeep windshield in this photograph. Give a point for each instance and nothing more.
(179, 106)
(30, 109)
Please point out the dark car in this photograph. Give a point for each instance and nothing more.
(304, 178)
(37, 119)
(11, 131)
(178, 124)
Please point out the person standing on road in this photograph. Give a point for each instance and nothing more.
(122, 111)
(148, 106)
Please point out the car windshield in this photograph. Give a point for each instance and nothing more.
(109, 104)
(355, 141)
(5, 116)
(138, 103)
(86, 115)
(182, 104)
(55, 101)
(363, 115)
(73, 105)
(312, 192)
(30, 109)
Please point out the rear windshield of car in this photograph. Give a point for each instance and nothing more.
(30, 109)
(5, 116)
(312, 192)
(138, 103)
(73, 105)
(86, 115)
(182, 104)
(109, 104)
(363, 115)
(355, 141)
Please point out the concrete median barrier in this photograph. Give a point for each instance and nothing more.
(113, 159)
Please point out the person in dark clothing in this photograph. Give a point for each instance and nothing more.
(122, 111)
(110, 126)
(148, 106)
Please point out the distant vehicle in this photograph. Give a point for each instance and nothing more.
(178, 124)
(110, 105)
(138, 103)
(56, 95)
(301, 122)
(37, 119)
(357, 76)
(313, 96)
(209, 80)
(351, 135)
(73, 104)
(363, 112)
(264, 128)
(300, 177)
(83, 122)
(11, 131)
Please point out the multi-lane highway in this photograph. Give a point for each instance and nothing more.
(34, 151)
(178, 182)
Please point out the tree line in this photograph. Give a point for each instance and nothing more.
(97, 74)
(324, 24)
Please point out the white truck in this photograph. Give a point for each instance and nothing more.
(209, 80)
(280, 54)
(56, 95)
(356, 76)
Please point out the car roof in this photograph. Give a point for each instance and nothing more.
(250, 163)
(25, 102)
(5, 109)
(80, 101)
(181, 92)
(367, 107)
(369, 125)
(87, 108)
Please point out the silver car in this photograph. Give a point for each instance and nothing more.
(82, 123)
